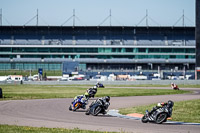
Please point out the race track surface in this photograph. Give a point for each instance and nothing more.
(54, 113)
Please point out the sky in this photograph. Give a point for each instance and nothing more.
(94, 12)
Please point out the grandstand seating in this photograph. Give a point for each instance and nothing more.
(82, 37)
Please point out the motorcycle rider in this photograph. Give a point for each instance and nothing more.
(169, 104)
(84, 100)
(91, 92)
(98, 84)
(159, 105)
(106, 102)
(174, 86)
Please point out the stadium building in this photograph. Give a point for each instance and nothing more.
(97, 48)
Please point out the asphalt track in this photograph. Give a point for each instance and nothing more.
(54, 113)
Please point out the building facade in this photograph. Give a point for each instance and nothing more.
(107, 48)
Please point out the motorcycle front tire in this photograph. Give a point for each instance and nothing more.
(144, 119)
(75, 108)
(70, 108)
(87, 112)
(97, 110)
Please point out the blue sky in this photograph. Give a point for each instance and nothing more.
(93, 12)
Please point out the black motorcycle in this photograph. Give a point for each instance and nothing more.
(99, 85)
(159, 115)
(91, 92)
(96, 108)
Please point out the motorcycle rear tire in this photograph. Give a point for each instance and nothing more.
(161, 118)
(144, 119)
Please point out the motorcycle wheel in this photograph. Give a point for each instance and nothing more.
(70, 108)
(87, 111)
(161, 118)
(76, 107)
(165, 120)
(144, 119)
(97, 111)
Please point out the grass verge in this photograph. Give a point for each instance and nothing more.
(184, 111)
(24, 129)
(15, 92)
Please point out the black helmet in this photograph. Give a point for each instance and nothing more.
(170, 103)
(107, 98)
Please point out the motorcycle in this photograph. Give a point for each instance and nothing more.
(91, 92)
(159, 115)
(100, 85)
(79, 102)
(96, 108)
(175, 88)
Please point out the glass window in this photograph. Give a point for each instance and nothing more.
(30, 50)
(108, 50)
(178, 50)
(19, 66)
(55, 50)
(191, 56)
(101, 50)
(142, 50)
(54, 66)
(190, 50)
(114, 50)
(172, 56)
(30, 66)
(180, 56)
(68, 50)
(43, 49)
(92, 50)
(166, 50)
(4, 66)
(129, 50)
(5, 49)
(154, 50)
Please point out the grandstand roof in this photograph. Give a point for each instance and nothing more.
(52, 28)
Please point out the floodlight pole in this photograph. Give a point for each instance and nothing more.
(183, 18)
(110, 18)
(73, 17)
(147, 18)
(37, 18)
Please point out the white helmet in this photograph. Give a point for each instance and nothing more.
(94, 87)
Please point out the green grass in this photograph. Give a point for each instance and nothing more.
(55, 91)
(184, 111)
(24, 129)
(27, 72)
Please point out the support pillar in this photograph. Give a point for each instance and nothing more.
(197, 38)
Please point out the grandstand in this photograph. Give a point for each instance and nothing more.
(98, 48)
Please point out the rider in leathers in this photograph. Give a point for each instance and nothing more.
(106, 102)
